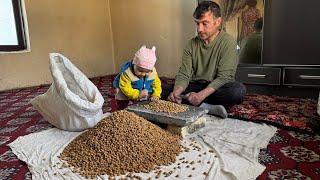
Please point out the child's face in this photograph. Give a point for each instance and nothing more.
(141, 72)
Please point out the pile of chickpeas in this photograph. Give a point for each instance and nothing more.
(165, 106)
(119, 144)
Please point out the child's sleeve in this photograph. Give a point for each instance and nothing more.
(126, 87)
(156, 87)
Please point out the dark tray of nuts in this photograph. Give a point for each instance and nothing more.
(167, 112)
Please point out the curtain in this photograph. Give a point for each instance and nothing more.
(230, 9)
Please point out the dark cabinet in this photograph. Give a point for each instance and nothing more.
(297, 76)
(287, 76)
(259, 75)
(291, 46)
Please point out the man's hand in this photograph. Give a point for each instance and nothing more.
(195, 98)
(175, 95)
(143, 94)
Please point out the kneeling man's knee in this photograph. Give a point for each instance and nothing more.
(238, 92)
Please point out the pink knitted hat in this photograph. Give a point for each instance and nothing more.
(145, 58)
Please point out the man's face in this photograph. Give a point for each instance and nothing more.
(207, 26)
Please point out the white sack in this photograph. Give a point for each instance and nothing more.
(72, 102)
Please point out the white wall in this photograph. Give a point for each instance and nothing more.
(166, 24)
(79, 29)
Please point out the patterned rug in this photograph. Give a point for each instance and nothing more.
(289, 155)
(291, 113)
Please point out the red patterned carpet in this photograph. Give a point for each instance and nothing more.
(291, 113)
(290, 155)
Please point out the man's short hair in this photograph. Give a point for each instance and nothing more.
(207, 6)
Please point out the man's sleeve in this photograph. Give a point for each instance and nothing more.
(185, 72)
(126, 87)
(227, 65)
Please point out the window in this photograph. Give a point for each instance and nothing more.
(12, 30)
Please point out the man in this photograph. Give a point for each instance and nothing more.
(251, 46)
(209, 63)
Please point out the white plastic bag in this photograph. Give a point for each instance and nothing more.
(72, 102)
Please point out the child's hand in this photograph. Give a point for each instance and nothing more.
(143, 94)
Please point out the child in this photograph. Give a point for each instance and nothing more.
(138, 79)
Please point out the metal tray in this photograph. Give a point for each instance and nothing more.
(178, 119)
